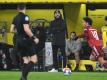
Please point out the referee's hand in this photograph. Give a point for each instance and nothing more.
(36, 40)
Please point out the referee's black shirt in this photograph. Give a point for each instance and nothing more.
(18, 22)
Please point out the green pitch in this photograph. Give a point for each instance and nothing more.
(55, 76)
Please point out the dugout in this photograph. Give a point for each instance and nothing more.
(73, 11)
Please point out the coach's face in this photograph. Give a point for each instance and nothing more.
(57, 15)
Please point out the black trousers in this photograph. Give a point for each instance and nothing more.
(55, 55)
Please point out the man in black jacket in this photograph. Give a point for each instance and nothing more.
(58, 29)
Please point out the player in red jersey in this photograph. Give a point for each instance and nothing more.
(94, 42)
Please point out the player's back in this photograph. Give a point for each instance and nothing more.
(92, 36)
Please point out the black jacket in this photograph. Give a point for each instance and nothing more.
(58, 30)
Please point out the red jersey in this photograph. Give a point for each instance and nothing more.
(92, 36)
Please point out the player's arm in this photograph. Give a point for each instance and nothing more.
(86, 30)
(82, 35)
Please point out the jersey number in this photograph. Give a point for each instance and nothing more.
(95, 35)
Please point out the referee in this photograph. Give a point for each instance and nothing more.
(25, 40)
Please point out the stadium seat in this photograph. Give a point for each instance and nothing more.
(82, 64)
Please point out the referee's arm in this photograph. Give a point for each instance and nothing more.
(12, 29)
(27, 30)
(29, 33)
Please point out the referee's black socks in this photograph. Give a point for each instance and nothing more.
(26, 69)
(30, 65)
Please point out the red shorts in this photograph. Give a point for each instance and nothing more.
(97, 51)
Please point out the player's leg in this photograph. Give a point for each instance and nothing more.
(102, 61)
(99, 55)
(92, 56)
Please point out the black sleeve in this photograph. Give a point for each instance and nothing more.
(26, 19)
(63, 25)
(51, 27)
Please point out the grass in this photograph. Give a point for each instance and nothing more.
(55, 76)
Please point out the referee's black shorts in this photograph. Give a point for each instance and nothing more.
(26, 46)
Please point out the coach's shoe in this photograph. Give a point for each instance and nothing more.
(53, 70)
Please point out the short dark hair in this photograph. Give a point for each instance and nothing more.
(88, 20)
(21, 6)
(105, 18)
(57, 11)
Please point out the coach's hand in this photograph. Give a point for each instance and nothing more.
(36, 40)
